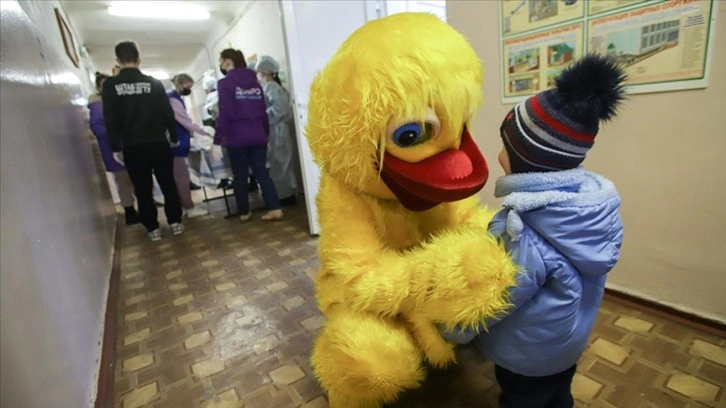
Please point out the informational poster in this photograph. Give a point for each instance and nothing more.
(519, 16)
(601, 6)
(533, 61)
(664, 45)
(657, 43)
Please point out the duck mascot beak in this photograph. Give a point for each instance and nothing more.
(451, 175)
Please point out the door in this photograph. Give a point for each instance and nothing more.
(313, 32)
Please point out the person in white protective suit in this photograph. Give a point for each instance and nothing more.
(210, 109)
(280, 147)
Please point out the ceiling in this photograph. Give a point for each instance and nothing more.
(164, 44)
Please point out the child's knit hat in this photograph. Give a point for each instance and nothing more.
(554, 130)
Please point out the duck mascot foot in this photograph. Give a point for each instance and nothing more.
(366, 362)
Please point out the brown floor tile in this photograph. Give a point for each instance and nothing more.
(225, 316)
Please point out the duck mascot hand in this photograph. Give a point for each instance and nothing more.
(403, 244)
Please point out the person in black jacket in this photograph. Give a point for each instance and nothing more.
(141, 127)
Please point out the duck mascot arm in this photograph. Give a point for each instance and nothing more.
(403, 243)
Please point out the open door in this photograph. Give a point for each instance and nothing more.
(313, 32)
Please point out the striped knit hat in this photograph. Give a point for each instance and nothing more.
(554, 130)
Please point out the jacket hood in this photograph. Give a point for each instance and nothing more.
(575, 211)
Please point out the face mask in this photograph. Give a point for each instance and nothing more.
(262, 79)
(186, 92)
(224, 71)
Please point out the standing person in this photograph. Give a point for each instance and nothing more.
(209, 110)
(158, 196)
(185, 126)
(140, 121)
(242, 127)
(280, 148)
(562, 226)
(124, 187)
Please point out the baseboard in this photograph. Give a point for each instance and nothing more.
(667, 312)
(104, 394)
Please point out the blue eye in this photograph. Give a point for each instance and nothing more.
(411, 134)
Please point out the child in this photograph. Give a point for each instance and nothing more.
(562, 227)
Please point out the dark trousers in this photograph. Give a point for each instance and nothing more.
(518, 391)
(142, 163)
(255, 158)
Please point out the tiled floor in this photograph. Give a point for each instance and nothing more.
(225, 315)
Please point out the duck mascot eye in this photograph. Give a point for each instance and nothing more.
(412, 134)
(403, 246)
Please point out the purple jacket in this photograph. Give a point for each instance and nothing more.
(98, 127)
(242, 118)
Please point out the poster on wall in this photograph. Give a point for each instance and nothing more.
(661, 45)
(69, 43)
(533, 61)
(602, 6)
(520, 16)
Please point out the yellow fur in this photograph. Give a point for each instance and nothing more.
(389, 275)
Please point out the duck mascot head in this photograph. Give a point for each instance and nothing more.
(403, 244)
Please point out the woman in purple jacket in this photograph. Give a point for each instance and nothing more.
(242, 127)
(98, 126)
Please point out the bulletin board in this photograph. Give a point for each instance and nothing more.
(664, 45)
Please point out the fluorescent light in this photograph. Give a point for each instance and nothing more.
(158, 74)
(66, 78)
(159, 10)
(10, 5)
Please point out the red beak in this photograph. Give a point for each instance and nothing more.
(449, 176)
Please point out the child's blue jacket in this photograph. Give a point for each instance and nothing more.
(564, 230)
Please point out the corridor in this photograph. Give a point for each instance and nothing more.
(225, 316)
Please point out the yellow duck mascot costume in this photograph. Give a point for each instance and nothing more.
(403, 244)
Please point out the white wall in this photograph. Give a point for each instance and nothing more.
(665, 153)
(257, 31)
(56, 222)
(42, 14)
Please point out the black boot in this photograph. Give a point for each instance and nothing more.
(132, 217)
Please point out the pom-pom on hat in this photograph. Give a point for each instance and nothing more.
(554, 130)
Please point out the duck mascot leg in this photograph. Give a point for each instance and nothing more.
(403, 244)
